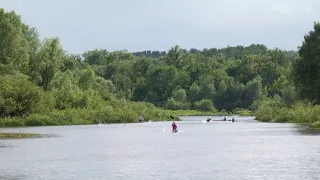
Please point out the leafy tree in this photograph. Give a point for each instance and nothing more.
(47, 62)
(252, 92)
(96, 57)
(306, 68)
(14, 47)
(204, 105)
(18, 96)
(161, 82)
(176, 105)
(194, 92)
(180, 95)
(174, 56)
(87, 79)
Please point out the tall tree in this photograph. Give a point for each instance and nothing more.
(307, 74)
(47, 62)
(13, 45)
(161, 83)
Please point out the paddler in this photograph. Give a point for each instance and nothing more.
(174, 126)
(141, 118)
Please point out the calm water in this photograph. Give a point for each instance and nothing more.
(217, 150)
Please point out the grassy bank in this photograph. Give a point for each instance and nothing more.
(128, 113)
(239, 112)
(277, 112)
(190, 113)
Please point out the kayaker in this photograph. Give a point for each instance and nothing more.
(224, 119)
(209, 119)
(174, 126)
(141, 118)
(233, 119)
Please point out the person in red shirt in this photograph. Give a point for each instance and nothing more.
(174, 126)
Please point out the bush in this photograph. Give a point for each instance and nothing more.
(204, 105)
(11, 122)
(301, 112)
(116, 111)
(176, 105)
(18, 96)
(39, 120)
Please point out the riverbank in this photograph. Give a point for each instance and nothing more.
(106, 116)
(87, 116)
(303, 113)
(237, 112)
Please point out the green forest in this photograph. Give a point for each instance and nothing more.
(42, 84)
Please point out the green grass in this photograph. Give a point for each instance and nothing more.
(108, 114)
(190, 113)
(105, 115)
(301, 113)
(239, 112)
(242, 112)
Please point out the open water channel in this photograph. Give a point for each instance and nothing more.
(217, 150)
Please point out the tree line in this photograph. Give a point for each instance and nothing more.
(222, 79)
(40, 80)
(305, 77)
(42, 84)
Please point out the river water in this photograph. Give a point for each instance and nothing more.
(217, 150)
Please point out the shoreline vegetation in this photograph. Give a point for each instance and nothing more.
(237, 112)
(43, 85)
(85, 118)
(42, 121)
(304, 75)
(302, 113)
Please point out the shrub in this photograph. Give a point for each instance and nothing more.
(18, 96)
(204, 105)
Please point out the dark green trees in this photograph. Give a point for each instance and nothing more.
(307, 67)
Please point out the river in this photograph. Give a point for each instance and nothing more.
(217, 150)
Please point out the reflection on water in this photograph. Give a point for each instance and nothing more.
(216, 150)
(4, 145)
(309, 131)
(12, 177)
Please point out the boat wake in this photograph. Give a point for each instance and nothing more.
(164, 127)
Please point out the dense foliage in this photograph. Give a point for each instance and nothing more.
(222, 79)
(41, 84)
(307, 67)
(304, 108)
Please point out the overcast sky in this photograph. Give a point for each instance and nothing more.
(138, 25)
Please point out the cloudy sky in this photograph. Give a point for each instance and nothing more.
(138, 25)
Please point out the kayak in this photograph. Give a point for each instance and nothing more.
(174, 131)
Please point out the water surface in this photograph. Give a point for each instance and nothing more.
(217, 150)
